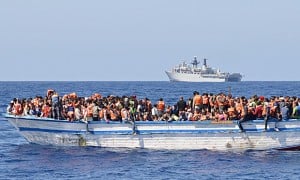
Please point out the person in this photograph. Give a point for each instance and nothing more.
(17, 108)
(205, 102)
(232, 113)
(244, 114)
(55, 106)
(70, 111)
(46, 110)
(154, 112)
(296, 110)
(160, 107)
(133, 108)
(285, 112)
(197, 101)
(270, 111)
(95, 111)
(78, 113)
(125, 114)
(221, 101)
(258, 112)
(181, 106)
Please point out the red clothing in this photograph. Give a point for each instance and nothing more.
(258, 111)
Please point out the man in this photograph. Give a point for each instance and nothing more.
(154, 113)
(285, 115)
(161, 107)
(55, 106)
(181, 105)
(244, 114)
(197, 101)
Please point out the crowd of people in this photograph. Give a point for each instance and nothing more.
(200, 107)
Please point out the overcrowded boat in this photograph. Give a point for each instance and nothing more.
(207, 121)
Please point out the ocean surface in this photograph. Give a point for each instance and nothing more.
(21, 160)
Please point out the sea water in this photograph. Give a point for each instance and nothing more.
(21, 160)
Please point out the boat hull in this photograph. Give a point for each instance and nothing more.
(185, 77)
(160, 135)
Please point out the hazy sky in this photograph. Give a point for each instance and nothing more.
(137, 40)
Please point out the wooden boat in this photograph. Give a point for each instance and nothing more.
(182, 135)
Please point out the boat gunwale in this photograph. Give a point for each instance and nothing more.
(5, 115)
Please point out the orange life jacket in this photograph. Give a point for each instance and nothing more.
(198, 100)
(161, 105)
(18, 109)
(46, 110)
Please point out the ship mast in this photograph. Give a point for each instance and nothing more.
(195, 62)
(204, 63)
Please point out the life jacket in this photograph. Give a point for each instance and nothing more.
(18, 109)
(198, 100)
(161, 105)
(46, 111)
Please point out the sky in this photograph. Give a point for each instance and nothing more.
(134, 40)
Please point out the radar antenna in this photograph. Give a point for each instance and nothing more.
(195, 62)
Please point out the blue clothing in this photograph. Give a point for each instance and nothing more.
(285, 113)
(297, 111)
(70, 108)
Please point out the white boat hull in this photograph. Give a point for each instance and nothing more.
(182, 77)
(161, 135)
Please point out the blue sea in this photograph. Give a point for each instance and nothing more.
(21, 160)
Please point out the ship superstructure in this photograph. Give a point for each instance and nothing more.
(193, 73)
